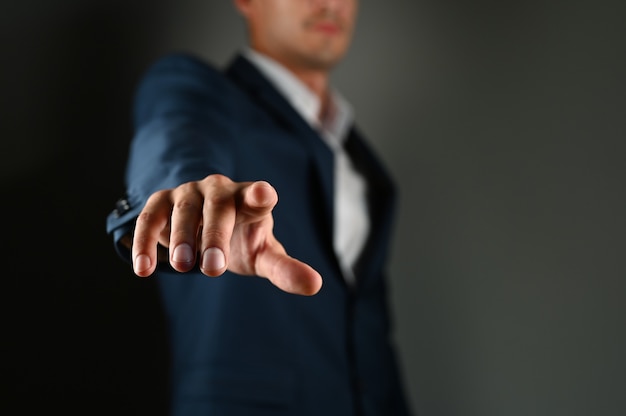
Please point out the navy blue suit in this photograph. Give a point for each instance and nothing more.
(240, 346)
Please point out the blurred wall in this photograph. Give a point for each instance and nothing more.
(503, 122)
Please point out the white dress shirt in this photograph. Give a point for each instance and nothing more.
(351, 220)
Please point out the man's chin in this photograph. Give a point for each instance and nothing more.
(324, 59)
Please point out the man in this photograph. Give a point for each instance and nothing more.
(213, 151)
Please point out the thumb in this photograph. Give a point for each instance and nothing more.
(287, 273)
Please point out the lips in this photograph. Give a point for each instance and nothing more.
(326, 24)
(330, 28)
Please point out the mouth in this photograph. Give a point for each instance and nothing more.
(326, 25)
(329, 28)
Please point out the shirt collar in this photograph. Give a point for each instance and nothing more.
(340, 118)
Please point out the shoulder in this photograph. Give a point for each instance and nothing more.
(182, 71)
(180, 82)
(182, 63)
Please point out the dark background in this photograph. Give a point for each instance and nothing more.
(504, 123)
(82, 335)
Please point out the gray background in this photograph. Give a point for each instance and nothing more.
(503, 123)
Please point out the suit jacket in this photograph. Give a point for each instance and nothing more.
(239, 345)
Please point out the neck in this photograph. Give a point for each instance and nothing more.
(316, 80)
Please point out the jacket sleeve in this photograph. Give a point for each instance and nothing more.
(181, 134)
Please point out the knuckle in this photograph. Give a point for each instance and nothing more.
(185, 204)
(158, 197)
(217, 178)
(217, 190)
(214, 234)
(146, 218)
(215, 199)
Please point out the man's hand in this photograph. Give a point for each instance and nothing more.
(228, 225)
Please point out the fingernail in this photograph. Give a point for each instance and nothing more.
(182, 254)
(213, 259)
(141, 263)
